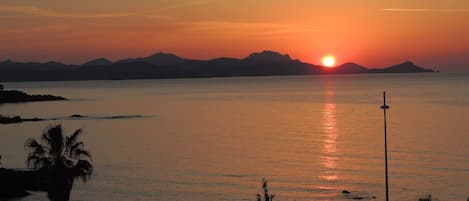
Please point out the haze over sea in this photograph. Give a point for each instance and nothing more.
(215, 139)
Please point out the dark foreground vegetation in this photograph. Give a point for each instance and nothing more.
(266, 196)
(56, 161)
(16, 183)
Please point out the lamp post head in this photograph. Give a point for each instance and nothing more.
(384, 106)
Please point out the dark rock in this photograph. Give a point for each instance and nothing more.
(123, 117)
(10, 120)
(36, 119)
(346, 192)
(76, 116)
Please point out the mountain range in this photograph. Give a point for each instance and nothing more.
(164, 65)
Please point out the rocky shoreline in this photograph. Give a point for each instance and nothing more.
(15, 96)
(16, 119)
(17, 183)
(19, 119)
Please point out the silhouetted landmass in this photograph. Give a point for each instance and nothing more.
(406, 67)
(79, 116)
(16, 183)
(19, 119)
(163, 65)
(347, 68)
(16, 119)
(14, 96)
(157, 59)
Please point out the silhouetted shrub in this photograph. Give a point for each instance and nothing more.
(428, 198)
(266, 196)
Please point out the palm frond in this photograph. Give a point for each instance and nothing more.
(38, 162)
(43, 162)
(74, 147)
(45, 136)
(67, 162)
(31, 160)
(83, 169)
(72, 139)
(78, 153)
(37, 148)
(54, 138)
(65, 155)
(84, 165)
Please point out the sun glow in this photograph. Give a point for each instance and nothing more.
(328, 61)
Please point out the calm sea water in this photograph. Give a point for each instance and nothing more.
(215, 139)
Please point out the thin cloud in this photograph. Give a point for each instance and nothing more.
(188, 4)
(253, 29)
(285, 28)
(424, 10)
(31, 10)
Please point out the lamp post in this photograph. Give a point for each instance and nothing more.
(385, 107)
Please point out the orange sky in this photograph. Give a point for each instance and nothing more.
(373, 33)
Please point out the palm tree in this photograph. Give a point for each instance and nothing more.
(61, 158)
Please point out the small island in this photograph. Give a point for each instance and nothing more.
(15, 96)
(16, 119)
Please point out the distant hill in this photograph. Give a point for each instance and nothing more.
(157, 59)
(98, 62)
(406, 67)
(51, 65)
(347, 68)
(164, 65)
(267, 57)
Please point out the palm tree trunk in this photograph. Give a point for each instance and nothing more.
(60, 186)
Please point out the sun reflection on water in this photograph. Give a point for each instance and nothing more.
(330, 132)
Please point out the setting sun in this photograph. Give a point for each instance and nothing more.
(328, 61)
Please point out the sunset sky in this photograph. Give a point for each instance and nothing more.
(374, 33)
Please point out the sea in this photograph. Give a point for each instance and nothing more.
(310, 137)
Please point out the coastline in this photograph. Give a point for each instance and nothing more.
(215, 77)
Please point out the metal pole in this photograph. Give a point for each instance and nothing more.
(385, 107)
